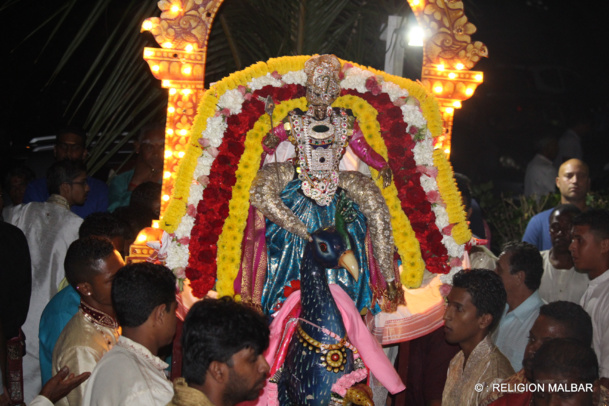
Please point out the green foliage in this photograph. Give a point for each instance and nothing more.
(508, 216)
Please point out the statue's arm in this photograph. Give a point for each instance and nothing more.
(265, 196)
(366, 153)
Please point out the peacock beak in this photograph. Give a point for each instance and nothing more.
(349, 262)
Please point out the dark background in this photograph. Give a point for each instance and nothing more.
(546, 59)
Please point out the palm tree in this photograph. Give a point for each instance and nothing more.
(116, 94)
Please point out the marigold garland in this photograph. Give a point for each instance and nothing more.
(403, 234)
(229, 239)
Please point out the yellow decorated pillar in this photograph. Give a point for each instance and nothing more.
(448, 56)
(182, 31)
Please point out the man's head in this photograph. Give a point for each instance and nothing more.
(558, 365)
(222, 346)
(590, 242)
(145, 293)
(548, 147)
(557, 320)
(68, 179)
(146, 197)
(150, 147)
(561, 222)
(90, 266)
(16, 182)
(474, 306)
(520, 267)
(573, 182)
(70, 145)
(106, 225)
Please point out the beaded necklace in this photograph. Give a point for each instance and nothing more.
(320, 145)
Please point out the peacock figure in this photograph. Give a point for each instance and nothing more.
(319, 352)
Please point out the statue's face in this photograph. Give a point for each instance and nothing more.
(322, 91)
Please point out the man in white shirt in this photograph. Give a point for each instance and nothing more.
(590, 251)
(131, 374)
(560, 280)
(540, 176)
(520, 268)
(49, 228)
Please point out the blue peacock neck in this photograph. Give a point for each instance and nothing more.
(318, 305)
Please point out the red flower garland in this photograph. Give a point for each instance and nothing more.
(212, 210)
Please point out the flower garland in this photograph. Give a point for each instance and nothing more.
(208, 211)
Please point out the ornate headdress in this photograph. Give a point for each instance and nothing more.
(322, 79)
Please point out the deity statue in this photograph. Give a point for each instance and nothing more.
(300, 195)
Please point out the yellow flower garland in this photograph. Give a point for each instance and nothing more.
(229, 242)
(403, 234)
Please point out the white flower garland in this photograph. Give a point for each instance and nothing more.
(355, 78)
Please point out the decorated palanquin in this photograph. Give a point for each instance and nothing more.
(217, 240)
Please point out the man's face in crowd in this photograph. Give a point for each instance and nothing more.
(78, 190)
(560, 230)
(572, 180)
(510, 281)
(461, 321)
(544, 329)
(101, 284)
(248, 374)
(16, 189)
(70, 146)
(152, 149)
(588, 251)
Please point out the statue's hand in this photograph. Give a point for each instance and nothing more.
(392, 291)
(387, 175)
(271, 141)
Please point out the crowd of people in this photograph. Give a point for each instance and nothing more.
(78, 326)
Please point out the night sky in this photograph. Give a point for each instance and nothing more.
(522, 36)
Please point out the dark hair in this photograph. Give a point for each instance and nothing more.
(597, 220)
(138, 288)
(565, 209)
(151, 127)
(567, 358)
(63, 172)
(576, 320)
(486, 289)
(143, 196)
(21, 171)
(82, 258)
(525, 257)
(214, 330)
(72, 130)
(104, 225)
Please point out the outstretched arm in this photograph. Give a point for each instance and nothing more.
(364, 151)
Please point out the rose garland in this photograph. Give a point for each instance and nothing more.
(208, 211)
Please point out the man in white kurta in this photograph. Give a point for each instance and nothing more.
(129, 374)
(49, 227)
